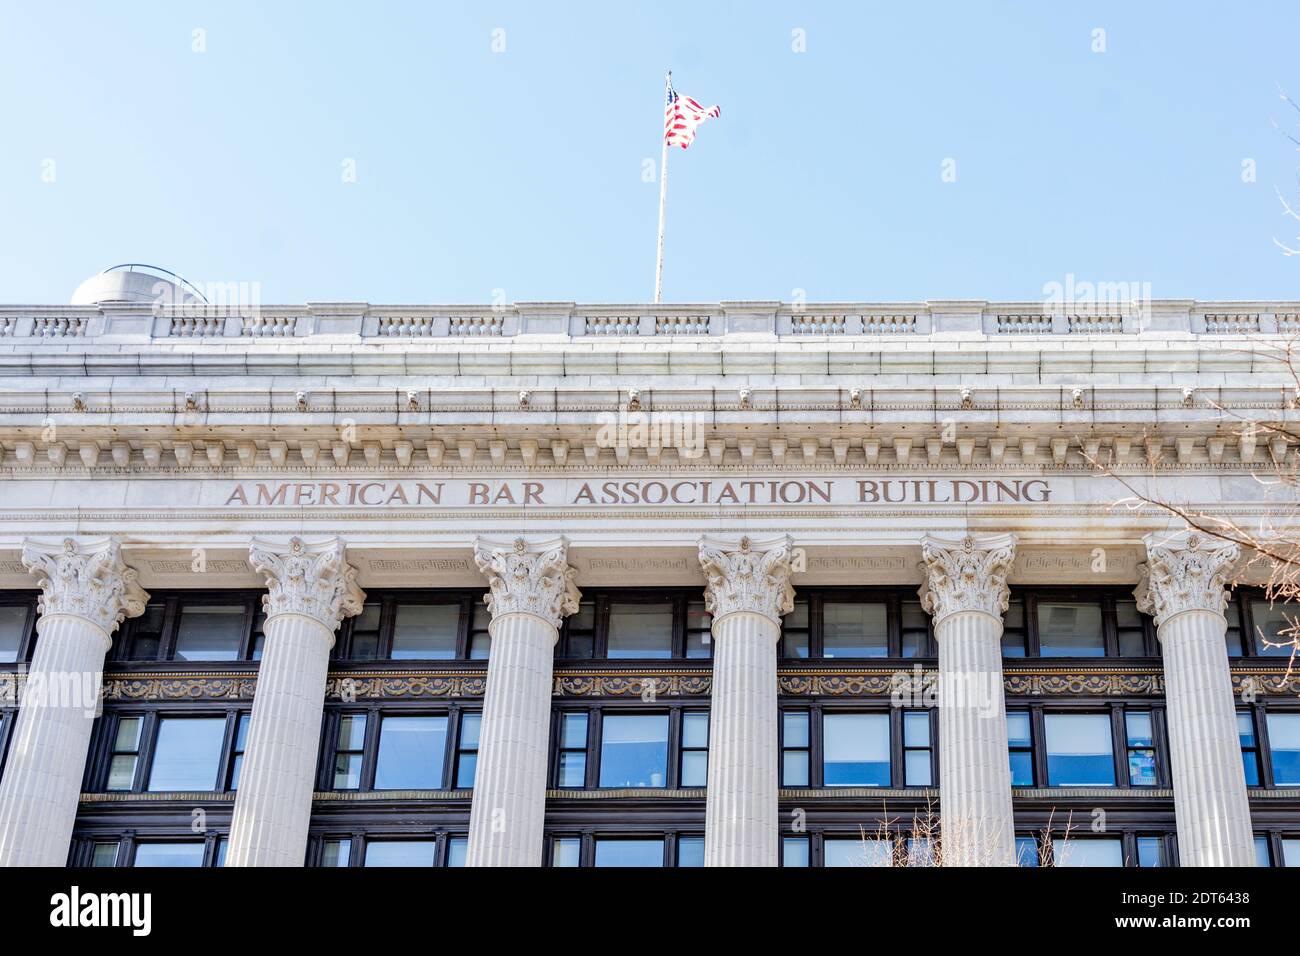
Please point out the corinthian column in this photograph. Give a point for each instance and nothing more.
(965, 591)
(747, 593)
(86, 592)
(1182, 587)
(310, 588)
(531, 589)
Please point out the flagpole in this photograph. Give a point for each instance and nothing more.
(663, 200)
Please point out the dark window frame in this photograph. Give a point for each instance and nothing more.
(818, 710)
(1115, 711)
(671, 835)
(596, 713)
(388, 600)
(1240, 614)
(102, 751)
(1105, 596)
(892, 597)
(173, 603)
(602, 598)
(27, 641)
(374, 712)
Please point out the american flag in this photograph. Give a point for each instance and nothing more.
(682, 115)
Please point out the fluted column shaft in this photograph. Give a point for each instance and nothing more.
(740, 817)
(86, 592)
(1183, 587)
(311, 588)
(747, 593)
(531, 590)
(509, 807)
(965, 591)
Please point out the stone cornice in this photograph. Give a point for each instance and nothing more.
(85, 578)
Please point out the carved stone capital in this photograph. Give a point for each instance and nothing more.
(748, 575)
(528, 578)
(1184, 572)
(314, 580)
(967, 574)
(86, 578)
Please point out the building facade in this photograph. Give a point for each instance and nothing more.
(718, 584)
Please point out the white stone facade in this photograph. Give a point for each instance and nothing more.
(746, 449)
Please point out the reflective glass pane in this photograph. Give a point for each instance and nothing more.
(1126, 614)
(336, 853)
(1026, 851)
(1022, 768)
(1290, 852)
(690, 851)
(1132, 644)
(916, 767)
(566, 851)
(854, 630)
(1088, 852)
(104, 854)
(1142, 768)
(695, 730)
(1013, 644)
(13, 620)
(1015, 616)
(1246, 730)
(1079, 750)
(795, 729)
(410, 753)
(400, 852)
(210, 632)
(794, 851)
(425, 632)
(855, 851)
(1018, 732)
(347, 771)
(457, 848)
(1138, 724)
(794, 768)
(1273, 627)
(795, 644)
(856, 750)
(573, 769)
(121, 772)
(169, 854)
(630, 852)
(640, 630)
(698, 619)
(634, 750)
(1151, 851)
(469, 728)
(574, 732)
(585, 619)
(480, 646)
(699, 644)
(187, 753)
(798, 616)
(352, 732)
(128, 734)
(695, 768)
(146, 633)
(219, 854)
(466, 765)
(1284, 743)
(916, 729)
(1262, 857)
(1070, 630)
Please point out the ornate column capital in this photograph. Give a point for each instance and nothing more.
(748, 575)
(314, 580)
(528, 578)
(1186, 571)
(86, 578)
(966, 574)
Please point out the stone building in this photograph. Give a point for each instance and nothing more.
(552, 584)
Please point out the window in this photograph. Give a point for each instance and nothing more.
(566, 851)
(571, 762)
(856, 851)
(690, 851)
(918, 758)
(211, 632)
(425, 632)
(336, 853)
(632, 624)
(104, 853)
(1249, 747)
(1141, 748)
(794, 749)
(1067, 629)
(695, 749)
(1263, 857)
(629, 852)
(1233, 637)
(1020, 744)
(467, 749)
(125, 754)
(1088, 622)
(854, 630)
(794, 851)
(195, 627)
(457, 850)
(16, 622)
(187, 754)
(349, 754)
(1151, 851)
(178, 853)
(1290, 851)
(1027, 852)
(640, 630)
(237, 750)
(1079, 752)
(1284, 747)
(856, 624)
(856, 750)
(400, 852)
(1088, 851)
(410, 753)
(634, 750)
(1274, 625)
(403, 626)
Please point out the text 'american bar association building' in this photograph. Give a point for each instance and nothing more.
(718, 584)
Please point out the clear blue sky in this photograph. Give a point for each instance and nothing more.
(522, 170)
